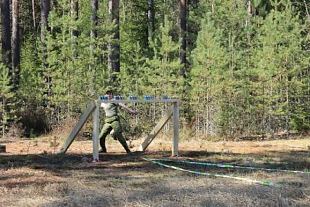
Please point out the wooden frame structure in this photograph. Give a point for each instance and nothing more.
(94, 108)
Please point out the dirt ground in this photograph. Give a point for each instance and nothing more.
(31, 174)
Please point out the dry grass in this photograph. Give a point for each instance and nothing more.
(31, 175)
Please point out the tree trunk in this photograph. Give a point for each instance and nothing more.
(94, 17)
(75, 9)
(151, 19)
(45, 9)
(307, 10)
(183, 6)
(93, 35)
(114, 46)
(15, 43)
(249, 11)
(74, 15)
(33, 13)
(183, 32)
(6, 34)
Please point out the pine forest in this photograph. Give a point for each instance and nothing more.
(241, 68)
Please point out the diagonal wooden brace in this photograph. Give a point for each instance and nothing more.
(90, 108)
(156, 130)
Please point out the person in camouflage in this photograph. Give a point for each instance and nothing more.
(112, 123)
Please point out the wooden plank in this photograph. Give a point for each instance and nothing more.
(90, 108)
(96, 120)
(156, 130)
(176, 127)
(140, 101)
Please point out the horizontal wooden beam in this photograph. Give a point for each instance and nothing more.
(140, 101)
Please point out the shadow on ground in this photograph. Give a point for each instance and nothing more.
(293, 160)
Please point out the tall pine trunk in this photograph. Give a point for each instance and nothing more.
(114, 45)
(93, 36)
(74, 15)
(45, 9)
(151, 19)
(183, 6)
(6, 34)
(307, 10)
(94, 17)
(15, 43)
(183, 33)
(75, 9)
(33, 13)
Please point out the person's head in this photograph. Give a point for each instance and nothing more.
(109, 92)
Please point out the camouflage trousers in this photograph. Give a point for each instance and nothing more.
(112, 124)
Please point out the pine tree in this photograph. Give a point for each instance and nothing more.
(164, 67)
(209, 73)
(6, 96)
(281, 66)
(249, 58)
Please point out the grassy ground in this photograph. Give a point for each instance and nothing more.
(31, 175)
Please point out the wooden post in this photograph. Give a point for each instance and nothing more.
(96, 134)
(90, 108)
(176, 126)
(156, 130)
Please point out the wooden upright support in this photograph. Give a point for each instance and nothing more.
(96, 121)
(176, 126)
(156, 130)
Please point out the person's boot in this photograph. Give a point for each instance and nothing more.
(103, 150)
(123, 142)
(128, 150)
